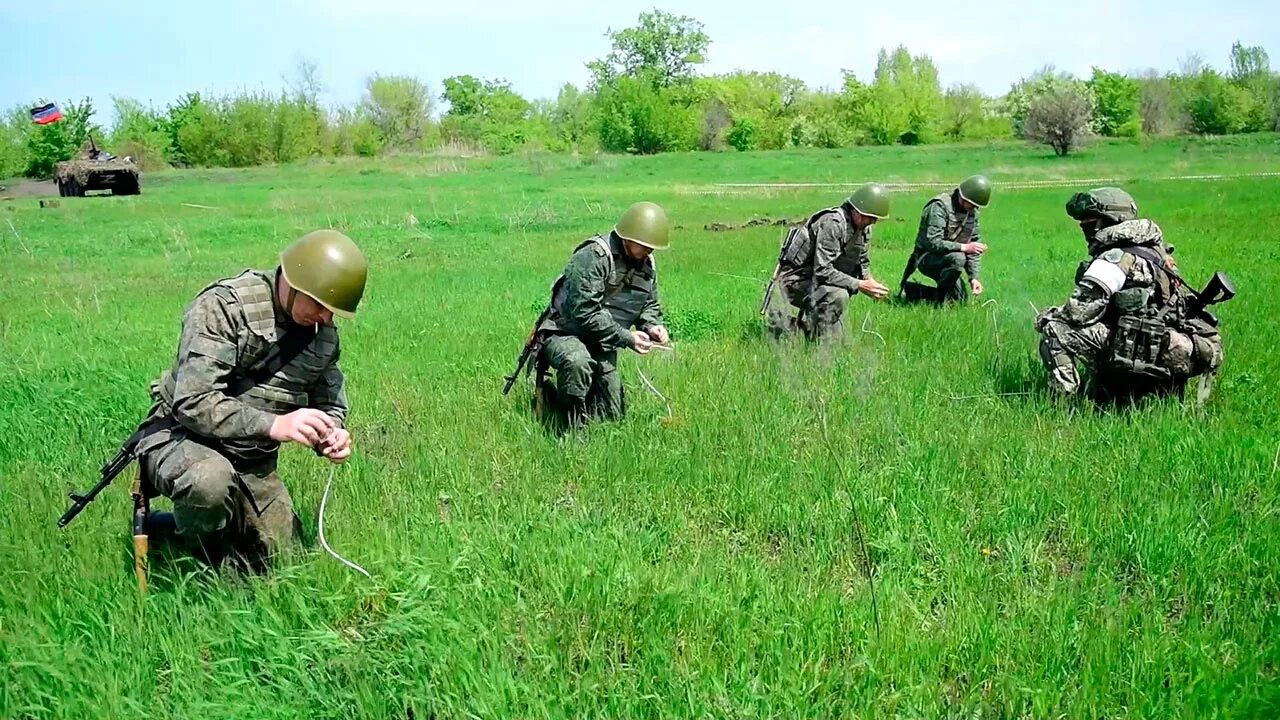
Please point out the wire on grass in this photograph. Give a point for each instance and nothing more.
(325, 543)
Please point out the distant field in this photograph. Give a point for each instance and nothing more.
(1031, 558)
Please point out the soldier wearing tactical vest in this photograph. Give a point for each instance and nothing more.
(948, 245)
(824, 262)
(257, 366)
(606, 299)
(1131, 318)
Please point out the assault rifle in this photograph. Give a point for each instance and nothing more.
(1218, 290)
(114, 467)
(527, 353)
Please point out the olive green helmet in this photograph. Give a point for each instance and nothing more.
(1108, 203)
(977, 190)
(326, 266)
(645, 224)
(872, 200)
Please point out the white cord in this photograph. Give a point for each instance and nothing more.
(649, 385)
(323, 500)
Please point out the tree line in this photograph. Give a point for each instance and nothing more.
(647, 96)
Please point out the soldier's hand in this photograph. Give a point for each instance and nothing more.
(659, 334)
(642, 342)
(336, 447)
(977, 286)
(873, 289)
(974, 248)
(305, 427)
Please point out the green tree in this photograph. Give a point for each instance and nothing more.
(1214, 106)
(904, 103)
(662, 48)
(637, 117)
(400, 107)
(486, 112)
(1251, 73)
(141, 133)
(1024, 94)
(570, 120)
(14, 128)
(48, 145)
(1116, 101)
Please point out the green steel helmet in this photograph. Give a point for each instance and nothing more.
(1108, 203)
(872, 200)
(326, 266)
(977, 190)
(645, 224)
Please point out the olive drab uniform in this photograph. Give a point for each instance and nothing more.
(937, 255)
(217, 462)
(1128, 318)
(821, 265)
(602, 294)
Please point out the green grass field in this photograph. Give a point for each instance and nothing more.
(1031, 558)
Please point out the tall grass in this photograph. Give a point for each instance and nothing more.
(1032, 558)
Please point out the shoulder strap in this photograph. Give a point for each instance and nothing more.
(285, 351)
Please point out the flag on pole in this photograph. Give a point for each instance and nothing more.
(46, 114)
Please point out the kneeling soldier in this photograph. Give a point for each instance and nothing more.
(606, 299)
(948, 245)
(824, 262)
(1131, 318)
(257, 366)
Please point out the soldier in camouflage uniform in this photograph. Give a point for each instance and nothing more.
(825, 262)
(948, 245)
(217, 423)
(606, 299)
(1129, 318)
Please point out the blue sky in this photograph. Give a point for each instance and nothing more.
(155, 51)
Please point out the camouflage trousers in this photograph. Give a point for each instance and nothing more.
(947, 270)
(587, 379)
(1184, 356)
(821, 312)
(215, 499)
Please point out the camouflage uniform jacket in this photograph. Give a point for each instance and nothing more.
(836, 253)
(943, 229)
(227, 329)
(602, 294)
(1124, 278)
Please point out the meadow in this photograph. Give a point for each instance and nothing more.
(1031, 557)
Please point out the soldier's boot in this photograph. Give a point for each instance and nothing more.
(1064, 377)
(162, 530)
(576, 415)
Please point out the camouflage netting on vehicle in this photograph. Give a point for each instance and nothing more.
(82, 169)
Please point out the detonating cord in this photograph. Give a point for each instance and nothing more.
(324, 499)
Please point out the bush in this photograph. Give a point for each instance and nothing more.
(637, 117)
(742, 135)
(400, 108)
(13, 142)
(1116, 100)
(140, 133)
(1213, 105)
(1059, 119)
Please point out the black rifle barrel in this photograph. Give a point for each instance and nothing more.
(79, 502)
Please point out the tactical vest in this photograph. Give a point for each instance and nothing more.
(627, 290)
(287, 389)
(1150, 289)
(799, 249)
(960, 227)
